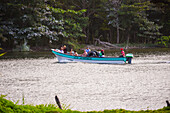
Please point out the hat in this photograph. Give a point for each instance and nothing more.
(121, 48)
(102, 50)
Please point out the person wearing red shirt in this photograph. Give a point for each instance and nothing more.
(122, 53)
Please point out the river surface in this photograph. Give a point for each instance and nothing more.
(144, 84)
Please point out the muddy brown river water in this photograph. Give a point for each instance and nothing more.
(145, 84)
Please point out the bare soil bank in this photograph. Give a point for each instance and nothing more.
(86, 87)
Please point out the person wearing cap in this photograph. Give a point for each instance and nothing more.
(88, 50)
(101, 54)
(65, 49)
(122, 53)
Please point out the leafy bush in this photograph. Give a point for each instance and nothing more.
(7, 106)
(164, 40)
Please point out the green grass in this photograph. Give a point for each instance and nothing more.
(7, 106)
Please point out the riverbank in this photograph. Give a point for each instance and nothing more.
(138, 52)
(87, 87)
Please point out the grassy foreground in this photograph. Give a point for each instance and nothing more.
(7, 106)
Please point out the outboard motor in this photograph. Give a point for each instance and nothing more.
(129, 57)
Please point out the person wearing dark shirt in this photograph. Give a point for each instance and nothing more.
(65, 49)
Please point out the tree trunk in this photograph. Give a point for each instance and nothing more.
(134, 38)
(117, 35)
(111, 35)
(128, 36)
(87, 38)
(117, 24)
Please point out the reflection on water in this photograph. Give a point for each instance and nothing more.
(143, 52)
(21, 55)
(112, 52)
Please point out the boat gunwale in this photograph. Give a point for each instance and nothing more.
(90, 58)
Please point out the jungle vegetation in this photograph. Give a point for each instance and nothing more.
(48, 23)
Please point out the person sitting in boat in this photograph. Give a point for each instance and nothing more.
(71, 52)
(122, 53)
(101, 54)
(75, 53)
(88, 50)
(93, 54)
(61, 50)
(65, 49)
(84, 54)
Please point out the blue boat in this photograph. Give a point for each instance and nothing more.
(106, 60)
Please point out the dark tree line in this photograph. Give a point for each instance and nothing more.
(46, 23)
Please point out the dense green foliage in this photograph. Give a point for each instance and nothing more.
(7, 106)
(164, 40)
(38, 23)
(47, 23)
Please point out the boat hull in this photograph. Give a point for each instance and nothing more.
(107, 60)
